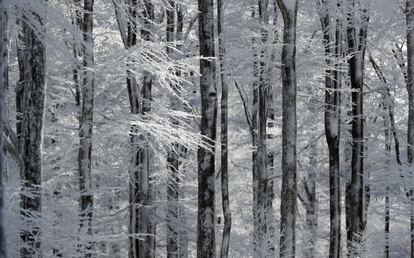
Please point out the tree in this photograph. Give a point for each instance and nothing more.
(410, 88)
(288, 204)
(224, 133)
(173, 159)
(205, 155)
(356, 39)
(3, 75)
(332, 39)
(30, 97)
(86, 125)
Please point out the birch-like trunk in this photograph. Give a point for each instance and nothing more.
(86, 128)
(332, 41)
(224, 253)
(410, 89)
(356, 51)
(3, 84)
(206, 247)
(288, 205)
(31, 98)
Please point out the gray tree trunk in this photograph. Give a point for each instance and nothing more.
(410, 89)
(142, 213)
(224, 134)
(3, 84)
(390, 130)
(206, 158)
(288, 205)
(332, 41)
(86, 127)
(173, 159)
(31, 98)
(356, 51)
(141, 193)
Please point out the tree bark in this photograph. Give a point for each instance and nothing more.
(356, 51)
(173, 160)
(86, 127)
(224, 134)
(288, 205)
(332, 41)
(31, 97)
(410, 89)
(142, 190)
(3, 86)
(206, 157)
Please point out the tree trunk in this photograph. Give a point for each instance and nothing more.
(31, 97)
(410, 89)
(141, 193)
(173, 160)
(3, 84)
(332, 42)
(86, 127)
(356, 51)
(288, 205)
(142, 189)
(224, 134)
(390, 130)
(206, 158)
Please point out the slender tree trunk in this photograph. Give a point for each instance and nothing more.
(3, 84)
(31, 97)
(77, 68)
(173, 160)
(224, 133)
(86, 128)
(141, 193)
(206, 157)
(410, 89)
(356, 51)
(390, 130)
(288, 205)
(332, 42)
(257, 241)
(144, 160)
(182, 231)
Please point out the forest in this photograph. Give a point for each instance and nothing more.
(208, 128)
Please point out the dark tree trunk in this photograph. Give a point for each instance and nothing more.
(173, 161)
(31, 98)
(357, 191)
(86, 127)
(3, 86)
(410, 89)
(141, 192)
(257, 241)
(206, 158)
(143, 216)
(288, 205)
(224, 134)
(332, 42)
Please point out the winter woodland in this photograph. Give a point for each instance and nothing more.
(209, 128)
